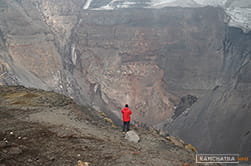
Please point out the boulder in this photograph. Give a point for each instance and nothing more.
(132, 136)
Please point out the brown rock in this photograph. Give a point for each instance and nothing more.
(82, 163)
(191, 147)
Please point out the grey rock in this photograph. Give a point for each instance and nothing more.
(132, 136)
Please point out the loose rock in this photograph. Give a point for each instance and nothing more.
(82, 163)
(132, 136)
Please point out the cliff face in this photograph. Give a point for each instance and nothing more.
(221, 116)
(30, 44)
(148, 58)
(34, 36)
(142, 57)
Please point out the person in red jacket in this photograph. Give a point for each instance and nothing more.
(126, 112)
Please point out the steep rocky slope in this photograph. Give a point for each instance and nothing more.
(45, 128)
(222, 116)
(34, 36)
(148, 58)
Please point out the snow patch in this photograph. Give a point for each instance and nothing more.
(117, 4)
(240, 17)
(73, 55)
(172, 3)
(160, 3)
(109, 6)
(211, 2)
(87, 4)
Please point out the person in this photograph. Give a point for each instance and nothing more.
(126, 112)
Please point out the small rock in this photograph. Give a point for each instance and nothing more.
(11, 133)
(5, 140)
(78, 155)
(132, 136)
(191, 147)
(29, 160)
(25, 138)
(19, 137)
(82, 163)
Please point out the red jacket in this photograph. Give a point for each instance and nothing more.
(126, 112)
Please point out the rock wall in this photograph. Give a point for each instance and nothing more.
(34, 35)
(222, 115)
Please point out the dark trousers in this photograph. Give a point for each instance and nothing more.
(126, 126)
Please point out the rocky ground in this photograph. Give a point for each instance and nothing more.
(44, 128)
